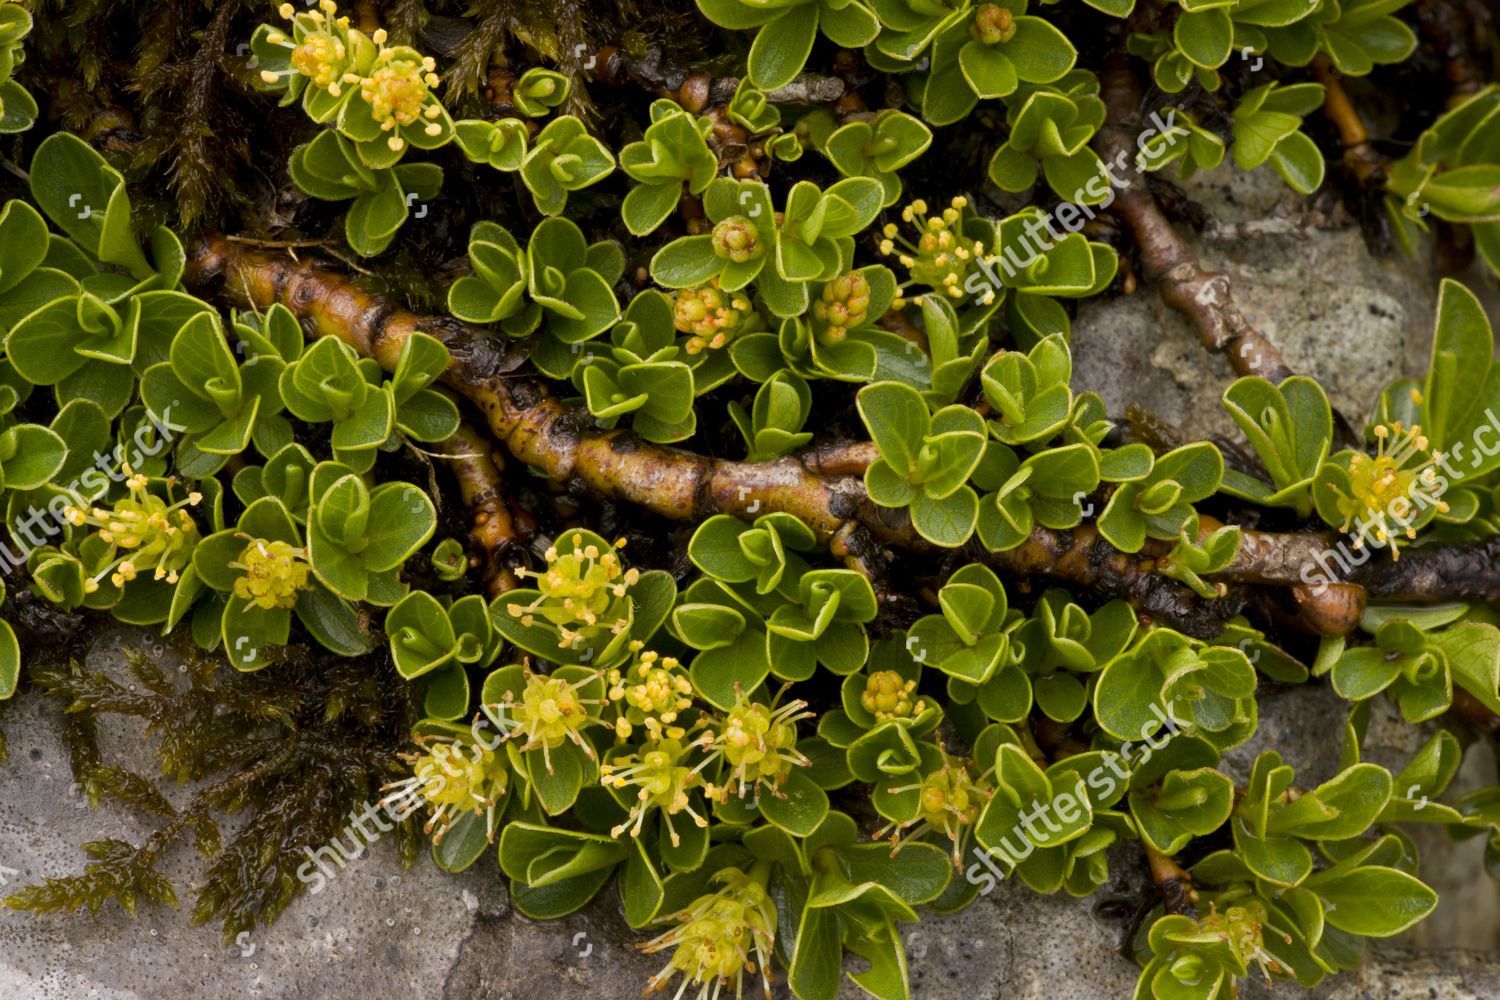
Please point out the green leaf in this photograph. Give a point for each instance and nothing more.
(647, 206)
(10, 661)
(1462, 346)
(37, 453)
(1299, 162)
(1041, 53)
(798, 807)
(897, 418)
(85, 197)
(402, 519)
(333, 622)
(1372, 901)
(462, 844)
(23, 243)
(948, 522)
(1205, 37)
(782, 46)
(685, 262)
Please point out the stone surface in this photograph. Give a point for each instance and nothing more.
(1337, 312)
(1354, 320)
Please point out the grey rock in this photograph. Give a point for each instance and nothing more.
(1353, 320)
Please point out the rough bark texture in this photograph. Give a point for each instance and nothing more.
(822, 486)
(1166, 258)
(471, 456)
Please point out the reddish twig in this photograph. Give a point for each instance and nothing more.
(1167, 260)
(820, 487)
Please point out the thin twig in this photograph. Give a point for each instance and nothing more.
(1361, 159)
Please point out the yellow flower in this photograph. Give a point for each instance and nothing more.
(399, 92)
(948, 801)
(273, 574)
(653, 690)
(322, 48)
(1240, 927)
(662, 780)
(888, 696)
(843, 303)
(942, 256)
(551, 712)
(1389, 486)
(455, 779)
(712, 316)
(758, 742)
(144, 532)
(717, 937)
(584, 589)
(320, 57)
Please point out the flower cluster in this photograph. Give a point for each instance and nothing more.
(396, 84)
(662, 780)
(454, 777)
(551, 711)
(889, 696)
(1388, 485)
(273, 573)
(712, 317)
(843, 304)
(942, 256)
(992, 24)
(581, 589)
(736, 239)
(144, 532)
(949, 802)
(719, 938)
(758, 742)
(651, 692)
(399, 91)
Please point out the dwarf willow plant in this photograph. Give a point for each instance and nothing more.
(1450, 175)
(18, 108)
(772, 738)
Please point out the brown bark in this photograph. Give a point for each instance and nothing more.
(839, 458)
(822, 487)
(1172, 881)
(544, 433)
(1167, 260)
(471, 456)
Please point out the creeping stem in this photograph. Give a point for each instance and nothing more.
(822, 486)
(470, 454)
(1172, 881)
(533, 425)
